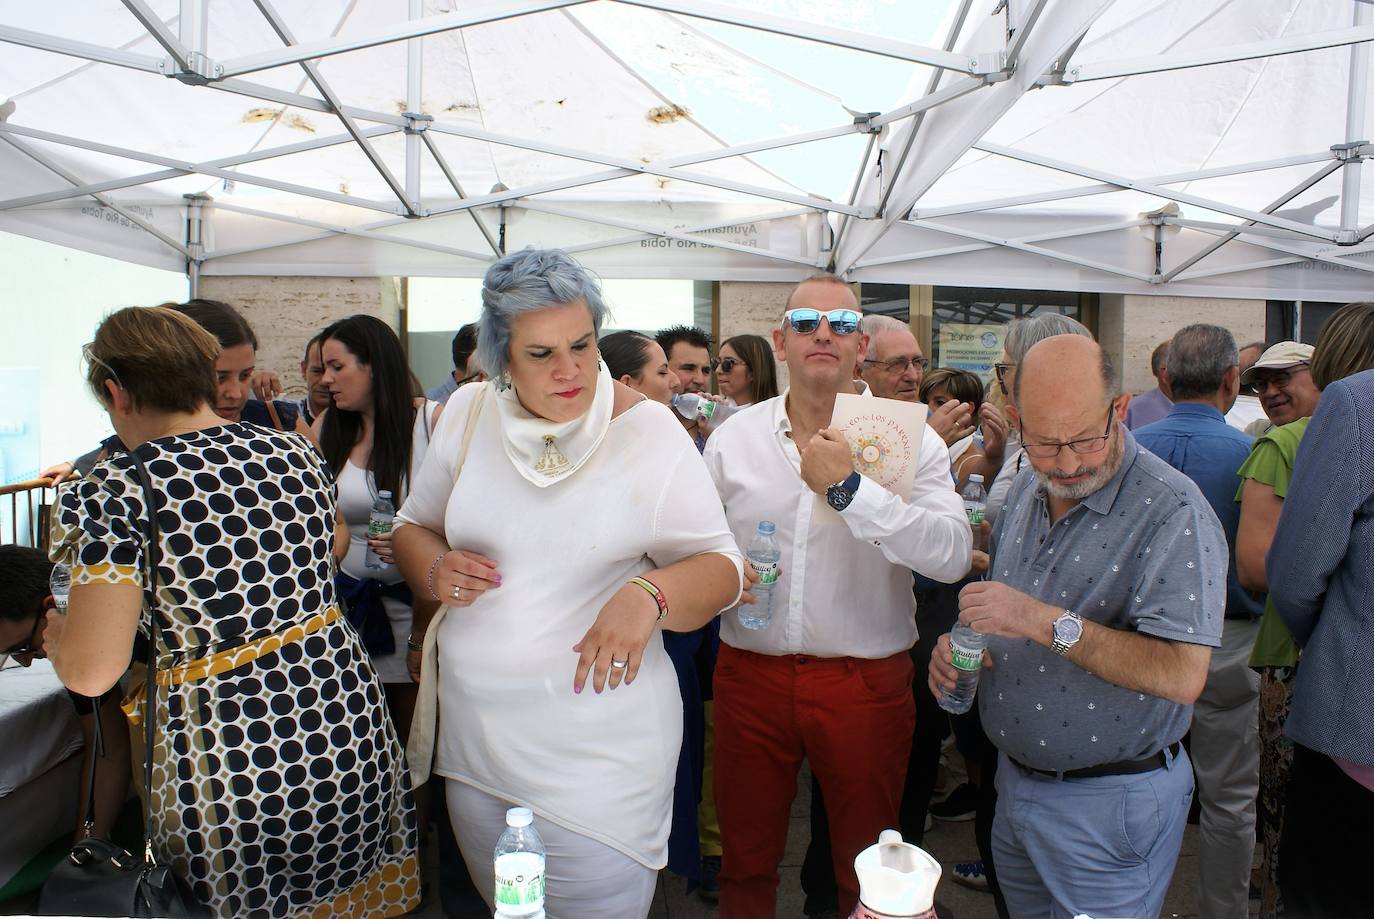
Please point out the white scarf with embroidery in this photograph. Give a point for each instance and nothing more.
(544, 451)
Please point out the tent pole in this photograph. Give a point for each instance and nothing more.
(1150, 188)
(194, 204)
(193, 25)
(414, 104)
(1354, 131)
(1183, 60)
(1085, 191)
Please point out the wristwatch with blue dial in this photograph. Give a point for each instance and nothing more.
(841, 493)
(1068, 628)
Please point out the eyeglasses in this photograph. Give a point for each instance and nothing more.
(806, 321)
(25, 646)
(900, 364)
(1279, 379)
(728, 364)
(1001, 370)
(1085, 446)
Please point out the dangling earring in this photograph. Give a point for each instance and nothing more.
(503, 381)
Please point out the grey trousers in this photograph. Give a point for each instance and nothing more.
(584, 879)
(1225, 752)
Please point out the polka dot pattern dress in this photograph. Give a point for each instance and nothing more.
(279, 787)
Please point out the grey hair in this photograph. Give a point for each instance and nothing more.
(1025, 333)
(1199, 357)
(876, 325)
(524, 282)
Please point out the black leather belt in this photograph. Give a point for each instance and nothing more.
(1124, 767)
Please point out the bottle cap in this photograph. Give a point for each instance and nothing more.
(976, 477)
(519, 816)
(767, 528)
(384, 494)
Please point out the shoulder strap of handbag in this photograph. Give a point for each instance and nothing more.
(420, 744)
(150, 560)
(272, 411)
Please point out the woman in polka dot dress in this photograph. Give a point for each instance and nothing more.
(278, 783)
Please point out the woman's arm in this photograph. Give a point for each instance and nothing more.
(340, 536)
(90, 646)
(695, 589)
(1259, 518)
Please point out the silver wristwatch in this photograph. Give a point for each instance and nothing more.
(1068, 628)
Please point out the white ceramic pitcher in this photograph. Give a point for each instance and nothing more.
(896, 880)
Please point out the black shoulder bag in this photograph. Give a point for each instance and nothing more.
(98, 878)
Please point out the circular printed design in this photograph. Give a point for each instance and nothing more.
(279, 788)
(871, 454)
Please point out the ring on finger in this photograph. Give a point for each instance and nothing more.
(457, 594)
(619, 665)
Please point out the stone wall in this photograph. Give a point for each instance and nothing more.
(1130, 326)
(286, 312)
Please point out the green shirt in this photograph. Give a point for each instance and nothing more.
(1271, 463)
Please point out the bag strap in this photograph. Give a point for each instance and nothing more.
(150, 561)
(272, 411)
(420, 744)
(88, 824)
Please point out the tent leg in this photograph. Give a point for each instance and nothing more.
(1354, 128)
(196, 254)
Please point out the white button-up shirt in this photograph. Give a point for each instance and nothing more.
(844, 588)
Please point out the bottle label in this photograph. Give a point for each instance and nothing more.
(377, 527)
(768, 574)
(520, 879)
(706, 408)
(975, 515)
(966, 658)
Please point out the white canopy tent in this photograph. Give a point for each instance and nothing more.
(1195, 147)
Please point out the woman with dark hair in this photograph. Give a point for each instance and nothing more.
(639, 362)
(279, 785)
(238, 350)
(747, 372)
(948, 384)
(374, 439)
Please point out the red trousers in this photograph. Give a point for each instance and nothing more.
(852, 719)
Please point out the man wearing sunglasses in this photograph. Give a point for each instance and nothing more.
(1106, 594)
(829, 678)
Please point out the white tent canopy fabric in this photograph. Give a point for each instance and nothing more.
(1195, 147)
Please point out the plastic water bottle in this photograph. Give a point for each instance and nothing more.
(379, 524)
(691, 405)
(966, 647)
(763, 555)
(60, 585)
(976, 508)
(520, 867)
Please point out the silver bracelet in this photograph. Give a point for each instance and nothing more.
(433, 566)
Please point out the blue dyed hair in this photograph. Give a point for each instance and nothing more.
(523, 282)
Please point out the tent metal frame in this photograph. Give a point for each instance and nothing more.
(1038, 51)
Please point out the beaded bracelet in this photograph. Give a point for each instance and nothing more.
(657, 594)
(429, 582)
(412, 646)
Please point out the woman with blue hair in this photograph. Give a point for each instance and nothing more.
(563, 521)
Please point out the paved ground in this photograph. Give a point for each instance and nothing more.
(949, 842)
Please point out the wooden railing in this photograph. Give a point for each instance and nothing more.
(28, 505)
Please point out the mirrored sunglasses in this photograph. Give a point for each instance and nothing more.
(806, 321)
